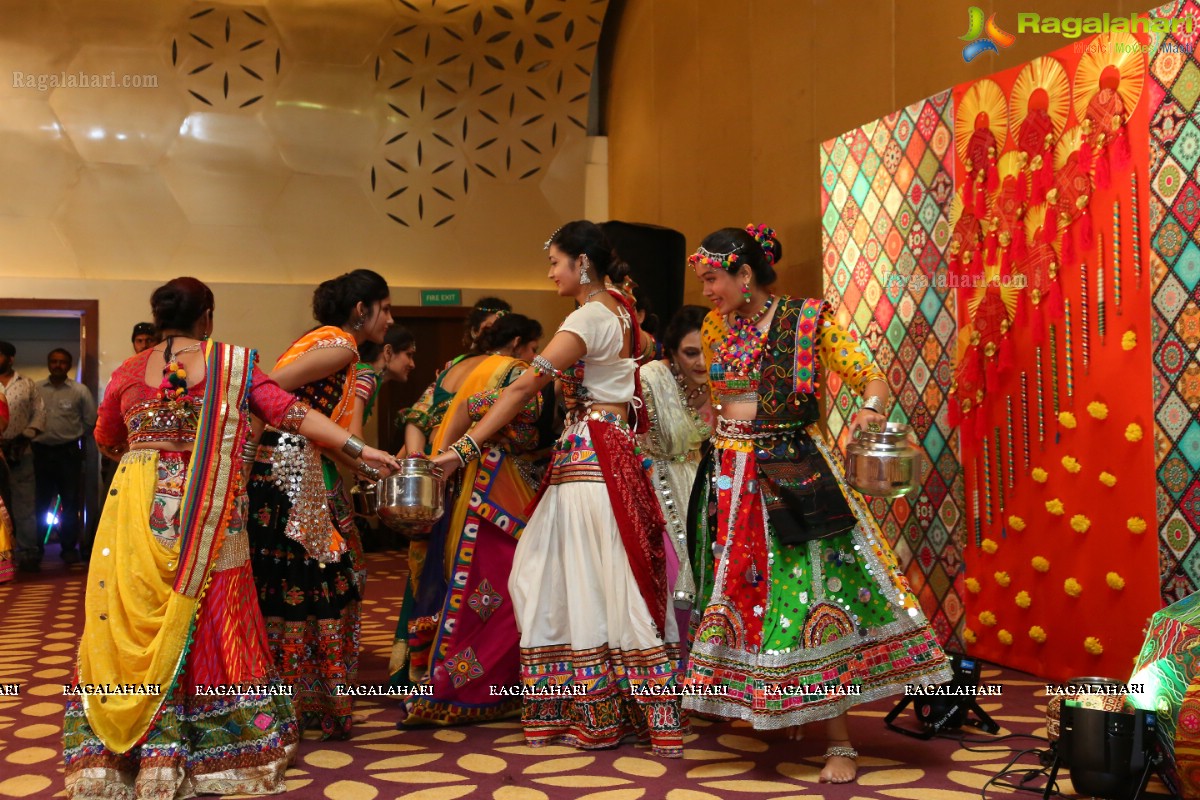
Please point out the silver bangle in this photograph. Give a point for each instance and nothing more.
(875, 403)
(368, 470)
(353, 446)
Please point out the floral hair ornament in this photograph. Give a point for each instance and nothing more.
(765, 237)
(703, 257)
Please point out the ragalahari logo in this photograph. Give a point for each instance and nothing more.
(975, 35)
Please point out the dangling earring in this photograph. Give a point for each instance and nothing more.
(584, 277)
(746, 293)
(357, 325)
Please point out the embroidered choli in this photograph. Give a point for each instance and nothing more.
(133, 412)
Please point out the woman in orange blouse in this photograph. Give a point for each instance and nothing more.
(802, 611)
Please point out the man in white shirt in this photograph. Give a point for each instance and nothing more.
(27, 418)
(59, 450)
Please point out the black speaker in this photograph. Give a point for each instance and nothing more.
(657, 259)
(948, 706)
(1110, 753)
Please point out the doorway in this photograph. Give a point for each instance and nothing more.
(438, 333)
(35, 327)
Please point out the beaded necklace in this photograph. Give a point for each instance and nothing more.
(736, 367)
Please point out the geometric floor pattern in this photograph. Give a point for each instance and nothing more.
(40, 624)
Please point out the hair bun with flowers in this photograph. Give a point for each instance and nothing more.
(765, 236)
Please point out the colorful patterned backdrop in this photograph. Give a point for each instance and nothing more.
(885, 190)
(1174, 90)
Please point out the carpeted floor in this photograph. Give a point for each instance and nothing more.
(40, 623)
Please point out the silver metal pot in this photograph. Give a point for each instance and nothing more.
(884, 463)
(412, 500)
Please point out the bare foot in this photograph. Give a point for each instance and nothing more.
(795, 732)
(840, 763)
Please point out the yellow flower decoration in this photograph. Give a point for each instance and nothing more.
(1108, 479)
(1136, 525)
(1037, 633)
(1039, 475)
(1072, 587)
(987, 618)
(1098, 410)
(1016, 523)
(989, 546)
(1129, 340)
(1070, 464)
(1040, 564)
(1004, 636)
(1066, 419)
(1002, 578)
(1080, 523)
(1093, 646)
(1055, 507)
(1133, 432)
(972, 585)
(1023, 600)
(969, 636)
(1115, 581)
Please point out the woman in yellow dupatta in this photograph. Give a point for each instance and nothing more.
(466, 627)
(174, 693)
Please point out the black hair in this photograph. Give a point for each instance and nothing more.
(484, 307)
(686, 320)
(65, 352)
(583, 237)
(642, 303)
(143, 329)
(749, 251)
(8, 349)
(179, 303)
(335, 299)
(505, 329)
(398, 336)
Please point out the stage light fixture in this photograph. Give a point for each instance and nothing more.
(949, 711)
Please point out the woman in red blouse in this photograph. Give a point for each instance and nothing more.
(175, 692)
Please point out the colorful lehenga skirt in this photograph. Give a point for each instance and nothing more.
(313, 611)
(474, 659)
(595, 667)
(204, 739)
(7, 543)
(790, 634)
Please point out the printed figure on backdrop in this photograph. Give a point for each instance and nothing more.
(170, 610)
(305, 549)
(802, 609)
(425, 422)
(27, 418)
(464, 645)
(7, 542)
(599, 650)
(681, 421)
(59, 452)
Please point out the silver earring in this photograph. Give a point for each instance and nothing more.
(357, 325)
(584, 277)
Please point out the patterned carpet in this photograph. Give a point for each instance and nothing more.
(39, 621)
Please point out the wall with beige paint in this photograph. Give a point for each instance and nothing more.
(714, 110)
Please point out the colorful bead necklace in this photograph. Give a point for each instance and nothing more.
(736, 367)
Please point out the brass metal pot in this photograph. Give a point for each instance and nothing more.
(884, 463)
(412, 500)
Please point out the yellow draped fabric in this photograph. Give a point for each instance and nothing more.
(136, 628)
